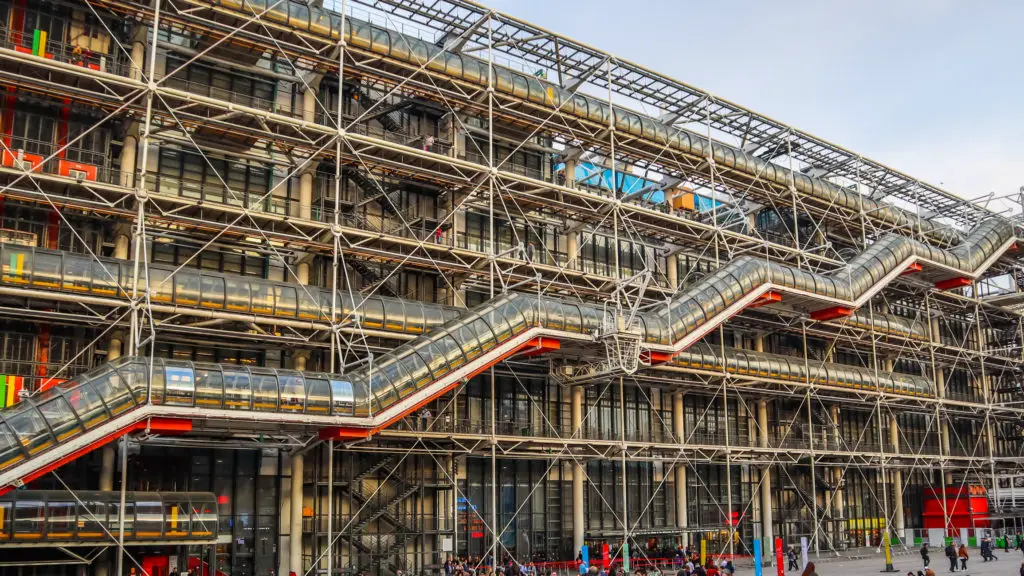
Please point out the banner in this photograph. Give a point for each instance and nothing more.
(625, 557)
(780, 563)
(703, 552)
(585, 557)
(803, 552)
(757, 558)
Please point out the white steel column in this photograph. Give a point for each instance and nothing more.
(295, 531)
(679, 431)
(572, 248)
(129, 149)
(577, 474)
(672, 271)
(767, 522)
(897, 479)
(838, 505)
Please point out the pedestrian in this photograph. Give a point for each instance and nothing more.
(951, 556)
(791, 555)
(1006, 543)
(809, 570)
(962, 554)
(924, 555)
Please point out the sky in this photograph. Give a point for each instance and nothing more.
(933, 88)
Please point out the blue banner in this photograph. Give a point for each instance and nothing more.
(585, 555)
(757, 558)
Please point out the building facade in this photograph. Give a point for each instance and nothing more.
(357, 287)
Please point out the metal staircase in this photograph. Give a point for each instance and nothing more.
(381, 503)
(372, 278)
(388, 196)
(387, 115)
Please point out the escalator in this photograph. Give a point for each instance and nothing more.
(59, 424)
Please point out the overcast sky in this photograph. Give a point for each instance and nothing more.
(934, 88)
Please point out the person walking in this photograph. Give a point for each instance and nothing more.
(962, 554)
(924, 555)
(791, 555)
(951, 556)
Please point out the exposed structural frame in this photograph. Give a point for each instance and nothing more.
(489, 182)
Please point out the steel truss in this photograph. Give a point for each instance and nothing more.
(156, 110)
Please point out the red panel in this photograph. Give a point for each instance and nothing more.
(64, 168)
(958, 282)
(34, 159)
(831, 313)
(538, 346)
(765, 299)
(156, 565)
(966, 507)
(165, 425)
(344, 433)
(915, 267)
(656, 357)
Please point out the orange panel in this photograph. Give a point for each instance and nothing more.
(765, 299)
(915, 267)
(958, 282)
(831, 313)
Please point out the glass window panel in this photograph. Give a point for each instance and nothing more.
(28, 519)
(265, 391)
(60, 520)
(149, 516)
(186, 288)
(77, 273)
(61, 419)
(262, 298)
(237, 294)
(287, 301)
(209, 386)
(29, 428)
(212, 292)
(180, 383)
(92, 517)
(342, 397)
(293, 393)
(237, 390)
(104, 278)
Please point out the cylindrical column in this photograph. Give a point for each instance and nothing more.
(128, 151)
(306, 194)
(767, 522)
(305, 208)
(138, 55)
(122, 243)
(682, 513)
(295, 531)
(299, 360)
(115, 345)
(577, 473)
(672, 271)
(302, 273)
(572, 248)
(838, 505)
(897, 479)
(107, 468)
